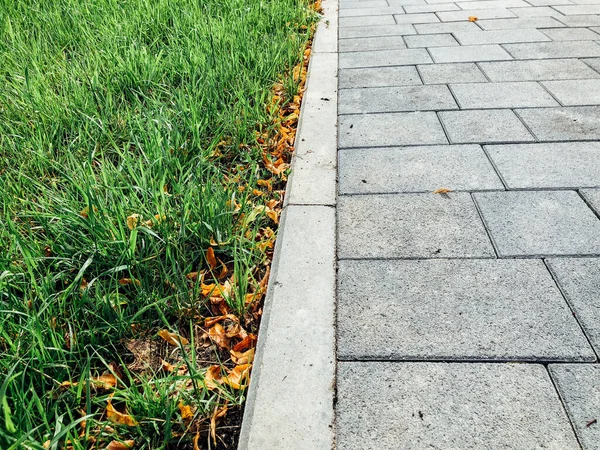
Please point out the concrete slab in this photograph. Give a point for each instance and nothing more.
(536, 11)
(501, 95)
(548, 50)
(487, 4)
(579, 280)
(541, 69)
(470, 53)
(572, 10)
(592, 197)
(457, 16)
(372, 11)
(410, 226)
(581, 21)
(404, 406)
(579, 387)
(520, 23)
(370, 31)
(431, 40)
(451, 73)
(484, 126)
(372, 43)
(500, 37)
(395, 99)
(539, 223)
(571, 34)
(379, 77)
(545, 166)
(378, 130)
(468, 310)
(407, 57)
(416, 18)
(594, 63)
(412, 9)
(575, 123)
(449, 27)
(575, 92)
(416, 169)
(366, 21)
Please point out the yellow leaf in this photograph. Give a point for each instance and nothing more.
(242, 357)
(127, 281)
(210, 258)
(186, 411)
(118, 417)
(133, 220)
(172, 338)
(125, 445)
(472, 18)
(442, 190)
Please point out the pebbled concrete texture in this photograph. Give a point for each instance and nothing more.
(402, 57)
(579, 388)
(416, 169)
(451, 73)
(391, 406)
(535, 70)
(579, 280)
(551, 165)
(501, 95)
(411, 226)
(592, 197)
(576, 123)
(379, 77)
(484, 126)
(575, 92)
(494, 310)
(539, 223)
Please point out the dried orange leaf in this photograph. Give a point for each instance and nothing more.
(118, 417)
(133, 220)
(127, 281)
(196, 439)
(442, 190)
(242, 357)
(125, 445)
(186, 411)
(248, 342)
(167, 367)
(219, 412)
(210, 258)
(218, 335)
(472, 18)
(238, 377)
(213, 377)
(172, 338)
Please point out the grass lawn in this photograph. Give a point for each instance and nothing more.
(143, 150)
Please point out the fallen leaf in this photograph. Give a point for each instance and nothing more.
(167, 367)
(185, 410)
(213, 377)
(119, 418)
(172, 338)
(238, 376)
(218, 335)
(210, 258)
(442, 190)
(125, 445)
(219, 412)
(128, 281)
(472, 18)
(196, 439)
(242, 357)
(133, 220)
(248, 342)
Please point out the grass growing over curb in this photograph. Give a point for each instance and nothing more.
(137, 212)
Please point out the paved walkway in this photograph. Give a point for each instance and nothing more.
(440, 295)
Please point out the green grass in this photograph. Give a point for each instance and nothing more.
(110, 108)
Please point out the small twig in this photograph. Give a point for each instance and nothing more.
(591, 422)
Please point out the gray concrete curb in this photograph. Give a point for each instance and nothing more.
(291, 393)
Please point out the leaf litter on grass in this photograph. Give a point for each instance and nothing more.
(144, 177)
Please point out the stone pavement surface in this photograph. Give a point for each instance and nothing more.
(470, 319)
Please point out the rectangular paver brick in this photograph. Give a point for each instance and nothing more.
(571, 34)
(379, 77)
(376, 130)
(395, 99)
(572, 10)
(539, 223)
(410, 226)
(542, 69)
(500, 37)
(496, 310)
(457, 16)
(417, 18)
(411, 9)
(372, 11)
(502, 95)
(484, 126)
(407, 406)
(536, 11)
(562, 49)
(448, 27)
(579, 387)
(470, 53)
(550, 165)
(359, 4)
(594, 63)
(592, 197)
(431, 40)
(451, 73)
(520, 23)
(416, 169)
(405, 57)
(579, 279)
(487, 4)
(574, 123)
(369, 31)
(581, 21)
(575, 92)
(372, 43)
(366, 21)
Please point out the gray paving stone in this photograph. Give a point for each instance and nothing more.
(405, 57)
(495, 310)
(581, 21)
(575, 123)
(579, 279)
(457, 16)
(541, 69)
(487, 4)
(366, 21)
(407, 406)
(470, 53)
(377, 130)
(417, 18)
(536, 11)
(369, 31)
(411, 9)
(539, 223)
(579, 387)
(500, 37)
(431, 40)
(448, 27)
(372, 43)
(416, 169)
(501, 95)
(358, 4)
(410, 226)
(520, 23)
(571, 34)
(379, 77)
(592, 196)
(575, 92)
(395, 99)
(406, 2)
(372, 11)
(593, 63)
(546, 50)
(451, 73)
(572, 10)
(484, 126)
(549, 2)
(551, 165)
